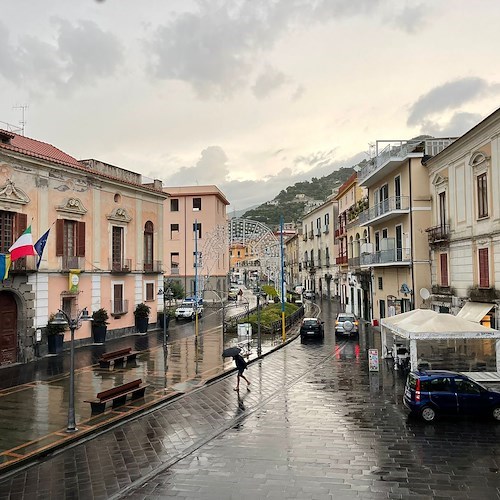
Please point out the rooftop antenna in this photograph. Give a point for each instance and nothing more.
(23, 108)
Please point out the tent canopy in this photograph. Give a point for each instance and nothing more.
(475, 311)
(425, 324)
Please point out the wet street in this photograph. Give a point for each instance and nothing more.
(315, 424)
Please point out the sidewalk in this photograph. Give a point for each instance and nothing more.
(34, 397)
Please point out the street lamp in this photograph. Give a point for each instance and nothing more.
(62, 318)
(167, 293)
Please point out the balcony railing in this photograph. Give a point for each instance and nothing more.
(24, 265)
(120, 265)
(389, 206)
(119, 307)
(154, 266)
(400, 151)
(311, 234)
(438, 234)
(391, 256)
(71, 262)
(318, 231)
(326, 228)
(341, 259)
(354, 261)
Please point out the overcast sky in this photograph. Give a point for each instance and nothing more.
(251, 95)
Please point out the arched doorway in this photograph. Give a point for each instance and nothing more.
(8, 329)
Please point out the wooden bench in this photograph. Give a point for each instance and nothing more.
(118, 395)
(108, 359)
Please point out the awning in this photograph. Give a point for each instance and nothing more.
(475, 311)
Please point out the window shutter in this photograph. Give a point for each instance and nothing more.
(444, 269)
(484, 271)
(60, 237)
(20, 225)
(80, 239)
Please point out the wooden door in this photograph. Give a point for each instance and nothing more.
(8, 329)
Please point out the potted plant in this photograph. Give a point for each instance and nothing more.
(99, 325)
(55, 336)
(141, 314)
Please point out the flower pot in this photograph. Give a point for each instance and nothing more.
(163, 317)
(55, 343)
(99, 333)
(141, 324)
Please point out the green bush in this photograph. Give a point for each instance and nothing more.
(270, 291)
(270, 314)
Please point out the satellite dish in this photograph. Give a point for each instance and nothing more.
(424, 293)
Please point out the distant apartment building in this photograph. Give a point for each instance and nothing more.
(317, 248)
(464, 232)
(195, 240)
(397, 251)
(352, 283)
(292, 260)
(106, 232)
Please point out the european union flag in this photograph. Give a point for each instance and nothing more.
(40, 245)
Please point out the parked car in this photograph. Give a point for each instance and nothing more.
(311, 328)
(434, 392)
(346, 324)
(188, 309)
(309, 294)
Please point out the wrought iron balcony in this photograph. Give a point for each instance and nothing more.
(354, 262)
(438, 234)
(25, 265)
(341, 259)
(154, 266)
(119, 307)
(118, 265)
(71, 262)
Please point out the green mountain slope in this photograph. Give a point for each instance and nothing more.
(287, 203)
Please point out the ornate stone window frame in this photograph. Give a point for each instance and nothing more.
(72, 207)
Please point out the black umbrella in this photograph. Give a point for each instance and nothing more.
(230, 352)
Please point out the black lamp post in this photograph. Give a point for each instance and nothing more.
(62, 318)
(167, 293)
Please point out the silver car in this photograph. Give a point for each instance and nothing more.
(346, 324)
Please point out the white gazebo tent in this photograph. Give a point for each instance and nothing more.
(425, 324)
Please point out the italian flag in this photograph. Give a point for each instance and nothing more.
(23, 246)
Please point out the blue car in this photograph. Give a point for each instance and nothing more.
(438, 392)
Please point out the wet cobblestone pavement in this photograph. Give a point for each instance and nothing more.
(315, 424)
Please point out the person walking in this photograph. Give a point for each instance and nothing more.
(241, 364)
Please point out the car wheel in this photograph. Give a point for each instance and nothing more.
(496, 413)
(428, 414)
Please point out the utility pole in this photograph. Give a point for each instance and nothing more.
(283, 294)
(196, 280)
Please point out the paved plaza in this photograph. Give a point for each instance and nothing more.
(315, 424)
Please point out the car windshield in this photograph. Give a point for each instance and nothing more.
(346, 318)
(310, 322)
(187, 304)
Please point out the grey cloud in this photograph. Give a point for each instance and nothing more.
(87, 52)
(411, 18)
(267, 82)
(79, 54)
(211, 168)
(449, 96)
(216, 47)
(299, 92)
(457, 126)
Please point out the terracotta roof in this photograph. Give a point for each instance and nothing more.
(38, 149)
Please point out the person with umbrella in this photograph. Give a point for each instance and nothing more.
(241, 364)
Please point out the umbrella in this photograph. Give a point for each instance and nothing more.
(230, 352)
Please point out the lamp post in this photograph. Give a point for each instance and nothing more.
(62, 318)
(167, 293)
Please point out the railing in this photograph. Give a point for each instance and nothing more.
(391, 256)
(401, 151)
(354, 261)
(386, 206)
(318, 231)
(311, 234)
(438, 233)
(120, 265)
(174, 268)
(326, 228)
(71, 262)
(154, 266)
(24, 265)
(119, 307)
(341, 259)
